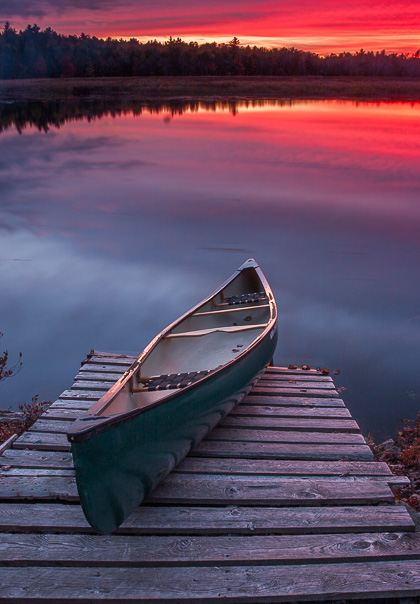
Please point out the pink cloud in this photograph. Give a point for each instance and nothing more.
(320, 26)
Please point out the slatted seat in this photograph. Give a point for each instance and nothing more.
(173, 381)
(245, 298)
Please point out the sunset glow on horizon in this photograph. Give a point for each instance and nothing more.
(322, 27)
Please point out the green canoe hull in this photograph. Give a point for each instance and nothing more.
(121, 463)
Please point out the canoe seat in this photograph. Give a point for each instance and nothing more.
(245, 298)
(173, 380)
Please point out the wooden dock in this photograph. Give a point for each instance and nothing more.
(281, 502)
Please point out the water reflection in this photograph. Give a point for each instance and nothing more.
(112, 227)
(45, 115)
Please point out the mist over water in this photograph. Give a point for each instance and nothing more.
(112, 225)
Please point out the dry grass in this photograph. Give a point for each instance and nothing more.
(27, 415)
(402, 454)
(213, 88)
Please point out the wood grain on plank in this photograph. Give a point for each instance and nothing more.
(179, 489)
(295, 384)
(304, 424)
(274, 491)
(89, 376)
(290, 401)
(25, 458)
(279, 467)
(264, 450)
(50, 488)
(43, 441)
(197, 551)
(297, 371)
(284, 436)
(101, 386)
(299, 392)
(52, 425)
(249, 410)
(106, 358)
(187, 520)
(100, 369)
(38, 472)
(255, 478)
(82, 395)
(264, 583)
(75, 404)
(279, 377)
(62, 413)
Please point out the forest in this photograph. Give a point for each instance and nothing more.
(36, 53)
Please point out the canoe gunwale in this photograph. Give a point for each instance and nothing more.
(91, 423)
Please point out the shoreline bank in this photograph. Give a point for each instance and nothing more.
(205, 88)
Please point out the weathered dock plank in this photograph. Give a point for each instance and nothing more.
(43, 441)
(98, 368)
(274, 399)
(281, 502)
(51, 425)
(263, 583)
(38, 488)
(302, 424)
(201, 520)
(284, 436)
(49, 441)
(97, 376)
(264, 450)
(62, 413)
(274, 491)
(283, 467)
(299, 391)
(27, 458)
(260, 423)
(102, 386)
(295, 384)
(105, 359)
(298, 371)
(270, 376)
(164, 551)
(200, 490)
(73, 404)
(83, 395)
(250, 410)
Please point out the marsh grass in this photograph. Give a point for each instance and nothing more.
(220, 88)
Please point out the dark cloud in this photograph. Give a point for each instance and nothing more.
(44, 8)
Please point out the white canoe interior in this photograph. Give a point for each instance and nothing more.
(211, 335)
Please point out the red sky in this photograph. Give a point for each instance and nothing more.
(321, 26)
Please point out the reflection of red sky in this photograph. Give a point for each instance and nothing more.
(321, 26)
(315, 156)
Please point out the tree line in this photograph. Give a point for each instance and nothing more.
(36, 53)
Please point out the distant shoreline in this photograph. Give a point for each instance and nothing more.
(213, 88)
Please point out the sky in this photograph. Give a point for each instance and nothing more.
(321, 26)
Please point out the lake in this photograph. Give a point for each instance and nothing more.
(113, 223)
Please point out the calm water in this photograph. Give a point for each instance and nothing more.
(111, 227)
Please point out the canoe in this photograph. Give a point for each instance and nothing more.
(183, 383)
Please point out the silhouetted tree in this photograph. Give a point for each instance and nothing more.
(36, 53)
